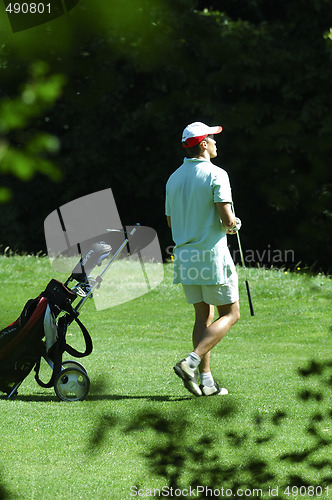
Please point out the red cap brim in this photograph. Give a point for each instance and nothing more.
(192, 141)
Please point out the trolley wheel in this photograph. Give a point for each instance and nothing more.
(73, 364)
(72, 384)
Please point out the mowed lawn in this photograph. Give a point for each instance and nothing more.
(140, 434)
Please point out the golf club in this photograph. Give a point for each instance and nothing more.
(244, 269)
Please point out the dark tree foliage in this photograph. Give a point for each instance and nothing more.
(260, 68)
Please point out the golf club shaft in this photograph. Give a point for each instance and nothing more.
(245, 276)
(252, 312)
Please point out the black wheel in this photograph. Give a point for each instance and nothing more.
(72, 384)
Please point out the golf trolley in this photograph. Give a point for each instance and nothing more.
(40, 331)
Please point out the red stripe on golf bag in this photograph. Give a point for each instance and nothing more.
(21, 344)
(20, 335)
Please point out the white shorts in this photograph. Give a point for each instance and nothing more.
(215, 295)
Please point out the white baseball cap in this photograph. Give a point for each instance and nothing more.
(195, 133)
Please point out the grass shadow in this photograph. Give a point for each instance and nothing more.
(31, 398)
(235, 459)
(98, 397)
(120, 397)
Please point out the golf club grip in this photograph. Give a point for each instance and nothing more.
(250, 301)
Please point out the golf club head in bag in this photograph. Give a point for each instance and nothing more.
(85, 237)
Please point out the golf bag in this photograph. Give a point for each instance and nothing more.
(39, 332)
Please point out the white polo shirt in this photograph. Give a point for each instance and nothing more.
(201, 255)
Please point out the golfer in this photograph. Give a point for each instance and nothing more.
(199, 213)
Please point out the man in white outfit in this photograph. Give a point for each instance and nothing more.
(200, 215)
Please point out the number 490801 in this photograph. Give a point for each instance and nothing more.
(302, 491)
(28, 8)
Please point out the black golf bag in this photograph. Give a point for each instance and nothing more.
(40, 331)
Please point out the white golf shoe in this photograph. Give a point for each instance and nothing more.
(214, 390)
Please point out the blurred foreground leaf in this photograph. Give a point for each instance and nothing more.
(23, 150)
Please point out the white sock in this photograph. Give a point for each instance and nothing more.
(207, 379)
(193, 360)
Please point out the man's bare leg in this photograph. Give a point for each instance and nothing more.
(210, 335)
(207, 335)
(204, 314)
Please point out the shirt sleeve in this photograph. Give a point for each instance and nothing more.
(221, 186)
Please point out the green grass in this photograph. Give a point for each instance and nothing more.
(139, 427)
